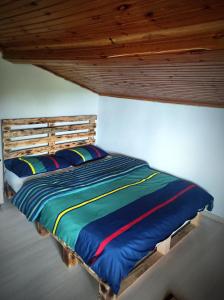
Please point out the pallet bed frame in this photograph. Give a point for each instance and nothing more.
(47, 135)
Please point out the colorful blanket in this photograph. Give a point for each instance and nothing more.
(112, 211)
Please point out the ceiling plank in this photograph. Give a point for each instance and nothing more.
(176, 78)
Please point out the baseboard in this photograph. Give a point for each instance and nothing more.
(213, 217)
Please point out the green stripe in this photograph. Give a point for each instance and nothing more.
(126, 186)
(73, 222)
(80, 154)
(38, 165)
(35, 164)
(85, 153)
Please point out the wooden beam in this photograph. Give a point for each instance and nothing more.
(196, 221)
(30, 121)
(105, 292)
(68, 257)
(166, 100)
(177, 45)
(55, 129)
(41, 230)
(164, 246)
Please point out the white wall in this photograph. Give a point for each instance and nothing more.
(187, 141)
(28, 91)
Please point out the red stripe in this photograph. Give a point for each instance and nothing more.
(98, 154)
(106, 241)
(54, 161)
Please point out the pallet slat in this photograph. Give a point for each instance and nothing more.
(29, 151)
(56, 129)
(29, 121)
(45, 140)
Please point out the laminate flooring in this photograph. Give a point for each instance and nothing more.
(31, 267)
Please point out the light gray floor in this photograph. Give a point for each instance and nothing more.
(31, 267)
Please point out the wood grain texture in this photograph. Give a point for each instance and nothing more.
(85, 24)
(135, 49)
(196, 77)
(52, 134)
(71, 258)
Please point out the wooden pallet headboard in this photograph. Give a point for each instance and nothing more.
(46, 135)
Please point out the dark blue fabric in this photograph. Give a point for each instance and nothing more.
(122, 253)
(75, 159)
(22, 169)
(35, 193)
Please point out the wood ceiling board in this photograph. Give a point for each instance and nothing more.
(191, 56)
(168, 78)
(45, 56)
(79, 24)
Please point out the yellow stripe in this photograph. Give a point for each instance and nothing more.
(30, 165)
(99, 197)
(80, 154)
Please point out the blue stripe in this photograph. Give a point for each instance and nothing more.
(37, 192)
(142, 238)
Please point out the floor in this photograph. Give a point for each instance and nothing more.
(31, 266)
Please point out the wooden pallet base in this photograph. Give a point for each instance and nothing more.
(9, 193)
(69, 257)
(105, 293)
(41, 230)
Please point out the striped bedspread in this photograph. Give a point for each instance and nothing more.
(112, 211)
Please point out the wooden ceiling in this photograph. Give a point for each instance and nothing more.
(158, 50)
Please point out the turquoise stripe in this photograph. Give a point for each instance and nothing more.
(37, 164)
(85, 153)
(34, 213)
(73, 222)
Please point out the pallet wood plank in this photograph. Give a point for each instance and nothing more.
(29, 151)
(164, 246)
(196, 221)
(29, 121)
(10, 133)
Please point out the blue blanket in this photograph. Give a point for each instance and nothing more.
(112, 212)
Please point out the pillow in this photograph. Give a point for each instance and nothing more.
(30, 165)
(79, 155)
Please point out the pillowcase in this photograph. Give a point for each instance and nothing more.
(79, 155)
(30, 165)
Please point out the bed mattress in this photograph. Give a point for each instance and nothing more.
(16, 182)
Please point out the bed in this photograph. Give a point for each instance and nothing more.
(112, 214)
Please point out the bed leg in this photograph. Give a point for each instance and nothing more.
(105, 292)
(196, 220)
(8, 191)
(69, 257)
(41, 230)
(164, 246)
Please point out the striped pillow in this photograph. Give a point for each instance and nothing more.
(79, 155)
(30, 165)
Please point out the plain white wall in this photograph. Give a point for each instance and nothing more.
(28, 91)
(186, 141)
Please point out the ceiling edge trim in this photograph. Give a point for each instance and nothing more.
(168, 101)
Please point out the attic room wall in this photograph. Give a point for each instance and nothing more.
(27, 91)
(186, 141)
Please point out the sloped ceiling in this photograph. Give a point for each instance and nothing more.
(158, 50)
